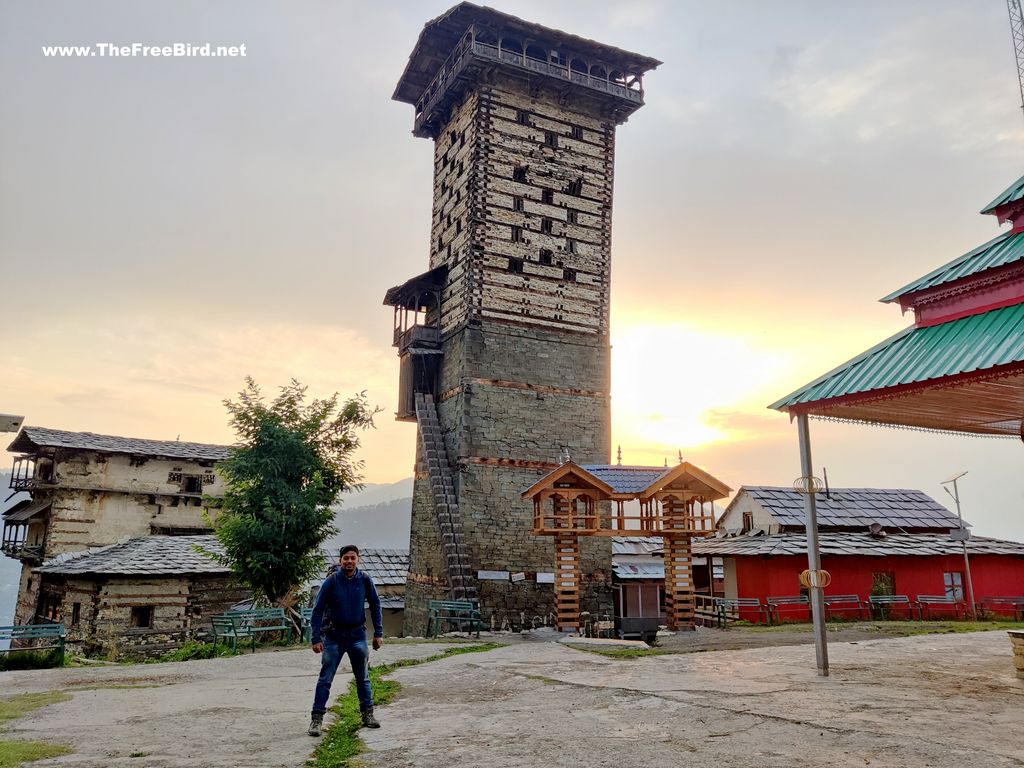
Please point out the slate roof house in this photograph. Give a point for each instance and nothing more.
(108, 533)
(873, 541)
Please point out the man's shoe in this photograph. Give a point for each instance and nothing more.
(316, 724)
(369, 721)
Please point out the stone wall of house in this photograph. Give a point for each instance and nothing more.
(522, 218)
(100, 499)
(174, 610)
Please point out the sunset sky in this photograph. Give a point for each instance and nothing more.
(169, 226)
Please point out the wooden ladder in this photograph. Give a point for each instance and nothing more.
(567, 581)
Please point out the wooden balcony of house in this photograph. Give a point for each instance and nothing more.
(23, 473)
(417, 337)
(14, 544)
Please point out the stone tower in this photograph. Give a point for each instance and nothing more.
(504, 341)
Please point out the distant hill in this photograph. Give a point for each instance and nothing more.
(384, 525)
(375, 493)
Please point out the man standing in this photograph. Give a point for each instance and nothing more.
(343, 596)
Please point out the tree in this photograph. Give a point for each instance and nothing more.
(291, 461)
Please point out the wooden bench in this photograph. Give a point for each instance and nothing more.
(48, 637)
(463, 613)
(235, 625)
(776, 605)
(880, 604)
(846, 603)
(1002, 604)
(931, 602)
(728, 608)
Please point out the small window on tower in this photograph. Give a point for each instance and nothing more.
(569, 275)
(517, 203)
(546, 257)
(548, 196)
(141, 616)
(574, 187)
(522, 117)
(577, 132)
(572, 216)
(458, 225)
(453, 136)
(519, 174)
(570, 246)
(440, 243)
(515, 265)
(550, 138)
(517, 234)
(545, 225)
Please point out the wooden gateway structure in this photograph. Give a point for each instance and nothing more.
(591, 500)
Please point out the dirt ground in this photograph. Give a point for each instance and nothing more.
(945, 701)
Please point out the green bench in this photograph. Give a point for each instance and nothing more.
(306, 617)
(881, 605)
(729, 609)
(926, 605)
(237, 625)
(463, 613)
(51, 637)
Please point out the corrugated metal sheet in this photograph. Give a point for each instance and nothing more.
(1011, 194)
(916, 355)
(1000, 251)
(856, 507)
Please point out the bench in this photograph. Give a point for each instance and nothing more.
(48, 637)
(931, 602)
(235, 625)
(463, 613)
(881, 604)
(1002, 604)
(728, 608)
(846, 603)
(306, 620)
(775, 606)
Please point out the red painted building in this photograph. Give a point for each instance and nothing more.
(873, 541)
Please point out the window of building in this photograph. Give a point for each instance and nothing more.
(191, 483)
(953, 581)
(517, 203)
(76, 614)
(547, 196)
(522, 117)
(569, 275)
(883, 583)
(517, 234)
(546, 257)
(574, 187)
(515, 265)
(577, 132)
(519, 174)
(545, 225)
(748, 522)
(458, 225)
(572, 216)
(570, 245)
(550, 138)
(440, 243)
(141, 616)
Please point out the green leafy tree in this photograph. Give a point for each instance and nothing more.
(291, 461)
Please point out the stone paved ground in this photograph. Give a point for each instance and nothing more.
(935, 700)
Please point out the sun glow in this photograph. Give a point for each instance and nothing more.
(673, 386)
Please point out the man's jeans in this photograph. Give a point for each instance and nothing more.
(358, 657)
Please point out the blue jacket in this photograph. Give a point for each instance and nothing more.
(344, 599)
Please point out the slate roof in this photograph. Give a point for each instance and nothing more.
(857, 508)
(32, 438)
(636, 545)
(639, 570)
(385, 566)
(834, 543)
(145, 556)
(626, 479)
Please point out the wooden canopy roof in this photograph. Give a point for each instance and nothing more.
(624, 483)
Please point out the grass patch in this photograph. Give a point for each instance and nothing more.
(191, 651)
(30, 659)
(341, 742)
(139, 754)
(620, 653)
(15, 753)
(13, 707)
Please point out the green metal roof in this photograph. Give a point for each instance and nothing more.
(1004, 249)
(1011, 194)
(916, 355)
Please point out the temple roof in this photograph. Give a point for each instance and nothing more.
(1011, 194)
(1005, 249)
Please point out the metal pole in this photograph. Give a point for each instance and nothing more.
(967, 560)
(817, 595)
